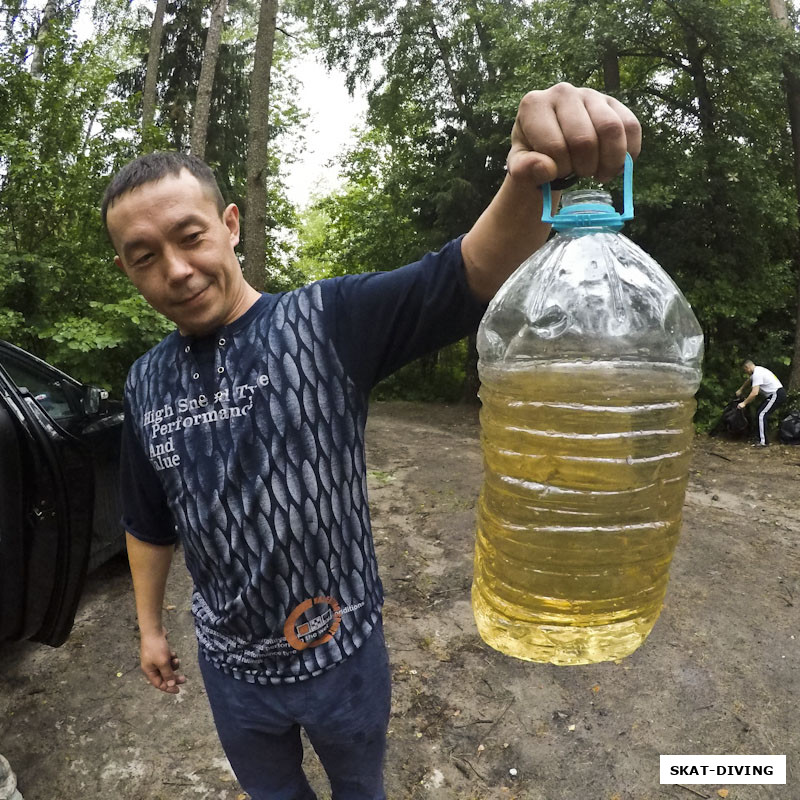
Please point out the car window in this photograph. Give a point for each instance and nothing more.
(47, 389)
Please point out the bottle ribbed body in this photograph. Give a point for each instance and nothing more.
(589, 362)
(580, 509)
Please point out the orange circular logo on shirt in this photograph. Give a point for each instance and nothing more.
(312, 623)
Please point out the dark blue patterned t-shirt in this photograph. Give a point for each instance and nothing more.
(248, 445)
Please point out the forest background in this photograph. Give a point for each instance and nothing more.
(716, 189)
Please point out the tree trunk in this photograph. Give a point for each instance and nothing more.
(151, 73)
(12, 14)
(705, 103)
(777, 8)
(445, 54)
(486, 46)
(255, 218)
(205, 85)
(719, 214)
(611, 79)
(37, 61)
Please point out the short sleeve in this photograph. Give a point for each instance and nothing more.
(384, 320)
(145, 513)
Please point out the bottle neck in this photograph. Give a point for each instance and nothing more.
(587, 196)
(587, 210)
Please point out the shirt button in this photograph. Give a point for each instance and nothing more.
(187, 349)
(196, 375)
(221, 342)
(220, 370)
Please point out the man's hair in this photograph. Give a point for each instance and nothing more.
(748, 363)
(155, 166)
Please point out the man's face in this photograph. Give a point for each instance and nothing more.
(178, 252)
(748, 369)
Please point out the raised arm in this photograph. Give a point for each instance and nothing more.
(558, 132)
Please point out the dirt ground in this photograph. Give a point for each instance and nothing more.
(719, 673)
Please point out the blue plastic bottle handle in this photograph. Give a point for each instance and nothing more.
(627, 195)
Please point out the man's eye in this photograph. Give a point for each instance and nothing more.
(142, 260)
(192, 237)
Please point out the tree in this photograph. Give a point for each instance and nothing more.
(444, 106)
(445, 97)
(50, 11)
(205, 84)
(60, 295)
(711, 187)
(778, 11)
(227, 134)
(151, 73)
(255, 219)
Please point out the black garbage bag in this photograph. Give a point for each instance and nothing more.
(789, 431)
(734, 422)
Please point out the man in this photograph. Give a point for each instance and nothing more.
(244, 439)
(764, 382)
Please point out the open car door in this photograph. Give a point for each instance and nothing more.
(46, 501)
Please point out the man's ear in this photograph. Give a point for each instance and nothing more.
(118, 262)
(230, 216)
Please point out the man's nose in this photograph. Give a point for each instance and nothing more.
(176, 266)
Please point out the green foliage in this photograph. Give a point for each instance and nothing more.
(81, 342)
(368, 226)
(439, 376)
(792, 403)
(714, 188)
(64, 133)
(58, 134)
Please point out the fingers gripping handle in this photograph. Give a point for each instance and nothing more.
(563, 183)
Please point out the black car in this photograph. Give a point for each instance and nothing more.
(59, 493)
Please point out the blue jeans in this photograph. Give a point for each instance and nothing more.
(344, 711)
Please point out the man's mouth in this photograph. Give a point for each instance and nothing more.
(191, 298)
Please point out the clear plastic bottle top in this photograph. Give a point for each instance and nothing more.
(590, 292)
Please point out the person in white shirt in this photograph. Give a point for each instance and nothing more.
(763, 381)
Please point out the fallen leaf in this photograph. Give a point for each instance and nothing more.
(722, 792)
(170, 608)
(615, 797)
(571, 728)
(596, 689)
(481, 748)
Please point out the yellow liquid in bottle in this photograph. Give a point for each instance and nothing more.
(586, 466)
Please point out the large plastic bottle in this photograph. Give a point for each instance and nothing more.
(589, 359)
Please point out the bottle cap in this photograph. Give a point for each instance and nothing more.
(591, 215)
